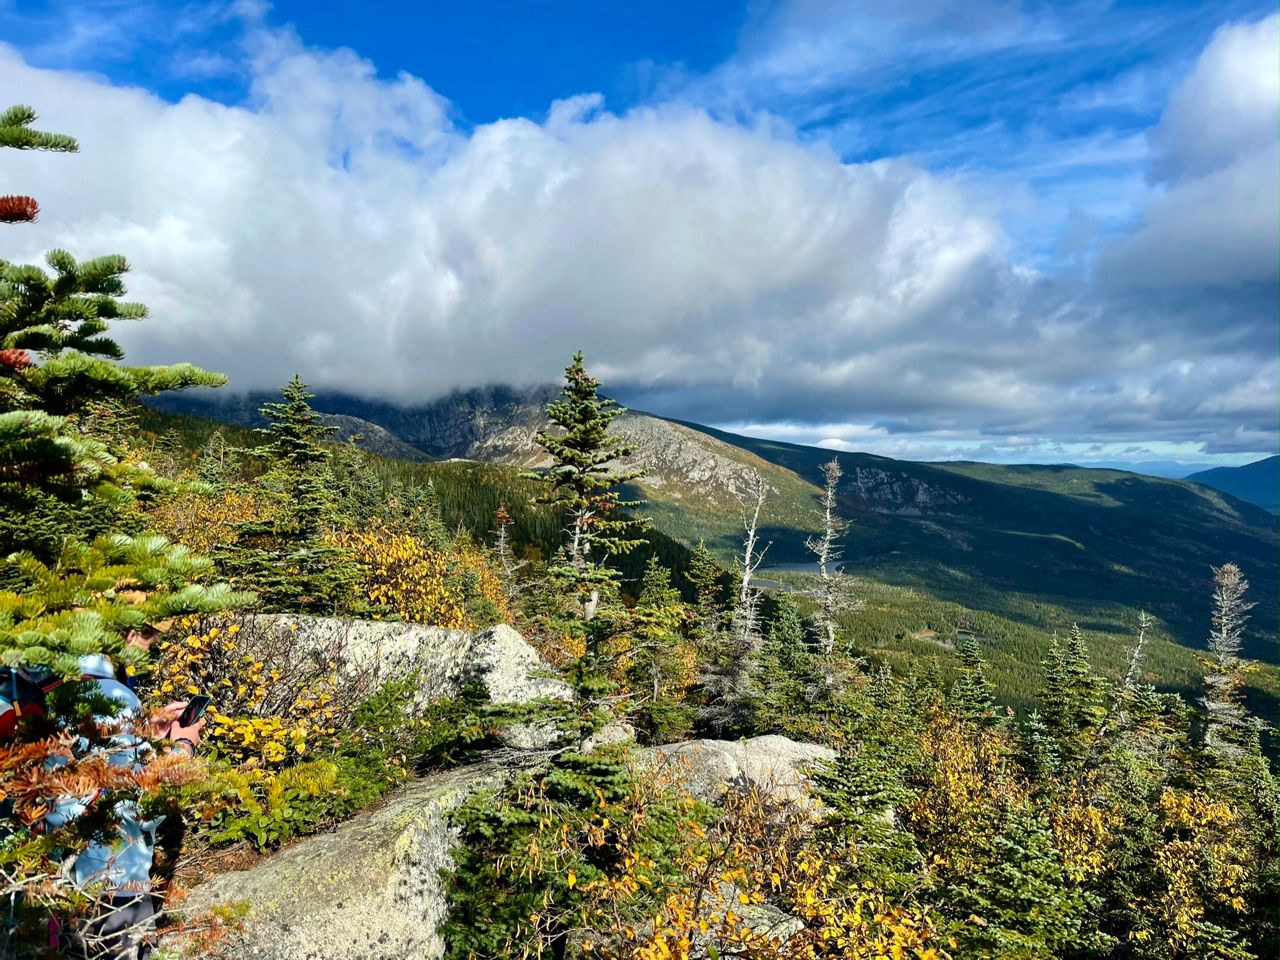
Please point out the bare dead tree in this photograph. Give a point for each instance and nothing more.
(746, 614)
(1134, 673)
(834, 598)
(1123, 694)
(728, 680)
(508, 566)
(1227, 719)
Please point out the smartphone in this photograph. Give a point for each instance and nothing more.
(195, 709)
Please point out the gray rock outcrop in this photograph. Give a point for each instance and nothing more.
(372, 652)
(708, 768)
(370, 890)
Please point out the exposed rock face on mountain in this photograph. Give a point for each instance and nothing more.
(1036, 530)
(370, 890)
(370, 436)
(893, 492)
(501, 425)
(682, 463)
(464, 424)
(444, 661)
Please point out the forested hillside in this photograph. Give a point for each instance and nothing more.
(1257, 483)
(1036, 548)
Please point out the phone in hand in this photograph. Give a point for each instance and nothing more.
(195, 709)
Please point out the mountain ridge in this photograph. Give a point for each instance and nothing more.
(1257, 482)
(1096, 541)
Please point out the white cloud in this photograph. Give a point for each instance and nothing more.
(1229, 106)
(338, 225)
(1215, 152)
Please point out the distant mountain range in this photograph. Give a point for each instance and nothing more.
(1172, 469)
(1095, 542)
(1257, 482)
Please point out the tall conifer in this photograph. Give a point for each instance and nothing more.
(287, 558)
(582, 482)
(972, 695)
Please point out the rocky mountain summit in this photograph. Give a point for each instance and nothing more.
(500, 425)
(901, 493)
(370, 436)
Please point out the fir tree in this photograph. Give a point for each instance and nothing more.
(972, 696)
(1073, 697)
(658, 671)
(16, 133)
(861, 791)
(582, 484)
(1020, 900)
(56, 366)
(789, 680)
(361, 496)
(1040, 756)
(75, 579)
(287, 559)
(706, 577)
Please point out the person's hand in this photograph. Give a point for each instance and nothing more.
(140, 639)
(165, 723)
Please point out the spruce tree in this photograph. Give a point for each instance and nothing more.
(582, 483)
(861, 792)
(972, 696)
(706, 577)
(789, 679)
(1073, 697)
(658, 671)
(287, 558)
(1039, 753)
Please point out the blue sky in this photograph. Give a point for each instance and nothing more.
(1023, 176)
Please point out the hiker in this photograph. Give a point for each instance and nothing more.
(121, 868)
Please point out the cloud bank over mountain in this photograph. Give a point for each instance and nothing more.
(722, 269)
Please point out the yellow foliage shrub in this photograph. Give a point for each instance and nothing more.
(970, 780)
(756, 854)
(1198, 863)
(422, 584)
(204, 521)
(264, 709)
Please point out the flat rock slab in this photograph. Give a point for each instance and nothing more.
(370, 890)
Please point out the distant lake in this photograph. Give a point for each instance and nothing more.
(764, 583)
(791, 568)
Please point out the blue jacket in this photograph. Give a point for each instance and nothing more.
(124, 864)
